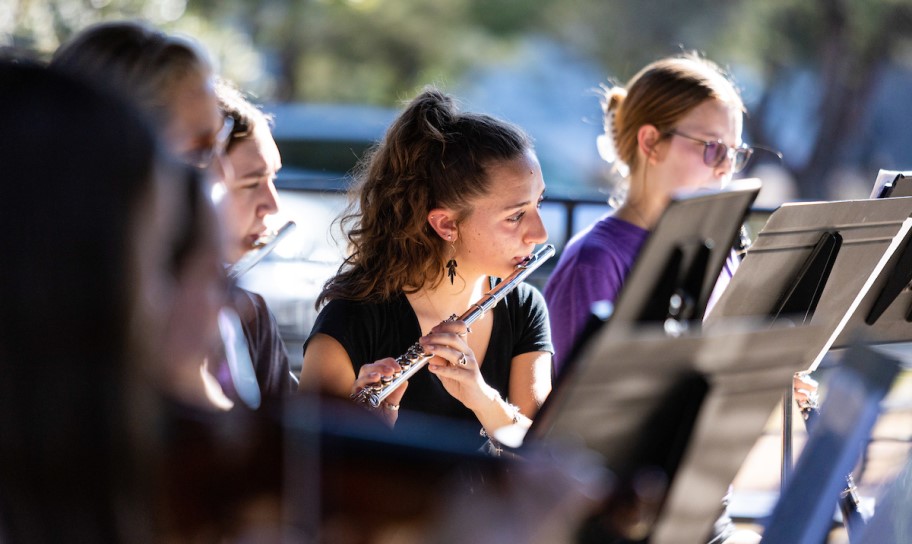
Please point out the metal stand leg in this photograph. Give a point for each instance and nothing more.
(787, 457)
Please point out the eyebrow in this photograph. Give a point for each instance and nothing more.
(259, 172)
(709, 135)
(524, 203)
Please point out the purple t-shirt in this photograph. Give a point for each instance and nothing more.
(591, 269)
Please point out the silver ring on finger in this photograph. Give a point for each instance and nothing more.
(462, 359)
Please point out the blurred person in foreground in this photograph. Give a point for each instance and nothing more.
(170, 78)
(172, 81)
(95, 225)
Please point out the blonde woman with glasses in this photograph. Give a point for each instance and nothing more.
(675, 127)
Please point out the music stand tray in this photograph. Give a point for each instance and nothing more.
(693, 405)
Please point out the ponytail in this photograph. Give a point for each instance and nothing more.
(432, 156)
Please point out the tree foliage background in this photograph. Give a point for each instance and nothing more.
(826, 81)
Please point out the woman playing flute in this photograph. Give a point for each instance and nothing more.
(447, 201)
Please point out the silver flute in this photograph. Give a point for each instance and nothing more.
(262, 247)
(415, 358)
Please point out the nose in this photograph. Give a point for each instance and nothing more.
(269, 203)
(725, 169)
(536, 233)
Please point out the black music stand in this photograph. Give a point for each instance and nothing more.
(804, 512)
(675, 272)
(884, 315)
(690, 406)
(811, 260)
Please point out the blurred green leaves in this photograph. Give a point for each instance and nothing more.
(380, 51)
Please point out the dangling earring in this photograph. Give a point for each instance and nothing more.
(451, 264)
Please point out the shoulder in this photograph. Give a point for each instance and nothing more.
(361, 307)
(525, 327)
(611, 232)
(350, 314)
(252, 310)
(525, 302)
(339, 311)
(243, 300)
(596, 260)
(526, 295)
(607, 240)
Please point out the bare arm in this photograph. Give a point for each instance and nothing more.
(457, 368)
(530, 384)
(530, 381)
(327, 367)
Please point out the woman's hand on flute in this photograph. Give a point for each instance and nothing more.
(458, 370)
(370, 374)
(455, 364)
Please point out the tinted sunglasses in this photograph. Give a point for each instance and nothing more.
(715, 151)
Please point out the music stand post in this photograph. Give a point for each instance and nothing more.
(804, 512)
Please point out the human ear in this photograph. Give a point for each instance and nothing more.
(648, 137)
(443, 221)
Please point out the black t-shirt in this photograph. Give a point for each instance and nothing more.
(372, 331)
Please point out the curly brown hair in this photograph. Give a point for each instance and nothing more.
(432, 156)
